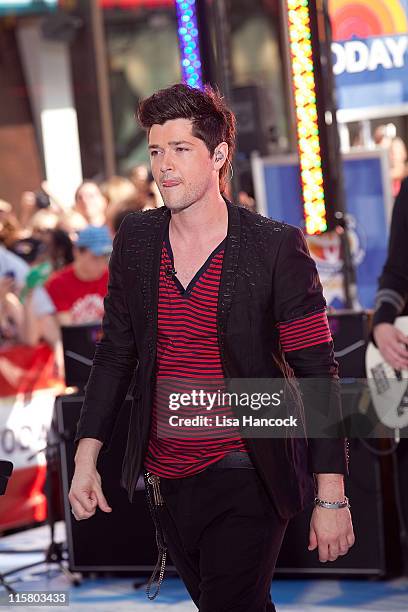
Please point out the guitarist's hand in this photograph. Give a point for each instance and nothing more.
(392, 344)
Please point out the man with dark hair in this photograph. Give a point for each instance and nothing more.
(78, 289)
(204, 289)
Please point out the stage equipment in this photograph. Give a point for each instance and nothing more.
(123, 540)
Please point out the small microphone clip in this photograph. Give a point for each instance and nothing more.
(170, 272)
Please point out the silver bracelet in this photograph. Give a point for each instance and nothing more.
(332, 505)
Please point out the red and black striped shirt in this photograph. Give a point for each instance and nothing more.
(187, 348)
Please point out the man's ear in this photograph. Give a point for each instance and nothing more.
(220, 155)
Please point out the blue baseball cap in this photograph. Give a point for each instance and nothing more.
(97, 239)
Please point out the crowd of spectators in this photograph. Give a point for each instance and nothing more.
(54, 256)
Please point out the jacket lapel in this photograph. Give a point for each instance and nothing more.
(149, 275)
(229, 269)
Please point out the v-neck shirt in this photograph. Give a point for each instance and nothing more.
(186, 291)
(187, 348)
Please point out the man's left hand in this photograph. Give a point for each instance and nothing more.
(331, 531)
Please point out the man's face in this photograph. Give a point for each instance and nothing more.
(92, 266)
(90, 201)
(181, 164)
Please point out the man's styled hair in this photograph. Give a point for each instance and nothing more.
(213, 122)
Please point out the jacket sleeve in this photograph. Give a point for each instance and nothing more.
(307, 345)
(115, 357)
(392, 295)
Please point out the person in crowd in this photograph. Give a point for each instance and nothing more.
(117, 189)
(43, 329)
(54, 246)
(10, 228)
(91, 203)
(385, 136)
(139, 175)
(43, 221)
(31, 250)
(146, 187)
(11, 313)
(60, 248)
(13, 266)
(204, 289)
(27, 207)
(122, 195)
(41, 211)
(398, 162)
(39, 307)
(5, 210)
(121, 210)
(153, 197)
(72, 222)
(78, 289)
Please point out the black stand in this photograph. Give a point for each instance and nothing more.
(55, 551)
(348, 271)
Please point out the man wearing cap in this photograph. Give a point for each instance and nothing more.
(79, 288)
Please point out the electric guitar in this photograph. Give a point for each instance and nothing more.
(388, 387)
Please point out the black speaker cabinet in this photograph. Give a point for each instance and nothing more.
(123, 540)
(350, 332)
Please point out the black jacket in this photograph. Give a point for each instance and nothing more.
(267, 277)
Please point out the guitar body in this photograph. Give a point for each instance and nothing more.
(388, 387)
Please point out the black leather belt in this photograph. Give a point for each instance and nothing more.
(235, 459)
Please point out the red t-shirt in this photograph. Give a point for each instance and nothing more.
(83, 299)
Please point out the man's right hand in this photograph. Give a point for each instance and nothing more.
(392, 344)
(86, 491)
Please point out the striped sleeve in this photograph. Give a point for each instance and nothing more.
(306, 331)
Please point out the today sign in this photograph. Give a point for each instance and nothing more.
(357, 56)
(370, 56)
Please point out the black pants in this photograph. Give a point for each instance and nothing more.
(223, 535)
